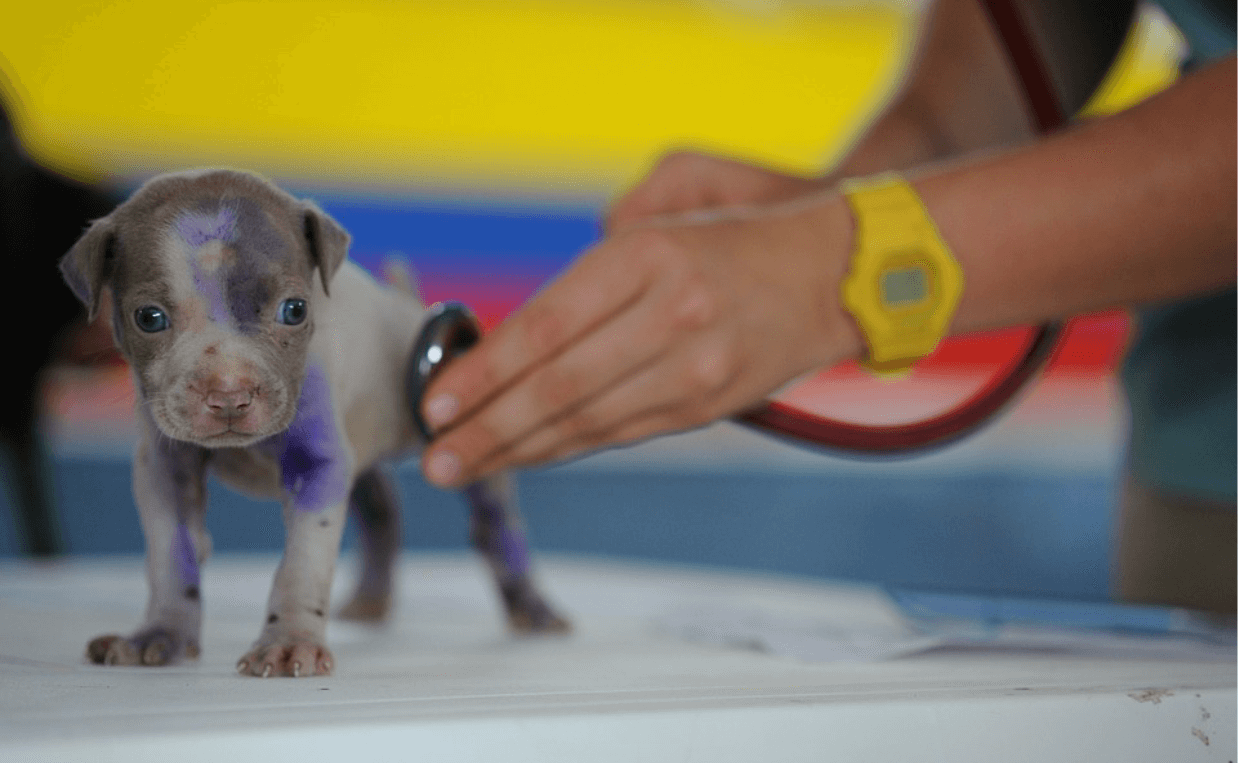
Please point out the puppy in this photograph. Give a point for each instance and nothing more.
(260, 354)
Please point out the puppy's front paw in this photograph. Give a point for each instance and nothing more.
(294, 657)
(153, 646)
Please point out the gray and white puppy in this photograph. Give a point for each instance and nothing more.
(260, 354)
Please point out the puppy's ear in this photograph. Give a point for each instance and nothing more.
(88, 265)
(326, 241)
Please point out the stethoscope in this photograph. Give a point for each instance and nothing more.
(451, 328)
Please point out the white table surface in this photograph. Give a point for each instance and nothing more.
(443, 681)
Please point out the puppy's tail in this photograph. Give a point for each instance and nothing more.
(399, 274)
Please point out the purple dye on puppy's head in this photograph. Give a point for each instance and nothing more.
(199, 227)
(237, 277)
(209, 286)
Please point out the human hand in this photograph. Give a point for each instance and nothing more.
(688, 181)
(662, 327)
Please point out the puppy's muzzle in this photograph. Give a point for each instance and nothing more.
(229, 404)
(224, 405)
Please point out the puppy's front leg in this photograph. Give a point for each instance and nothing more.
(316, 472)
(293, 640)
(170, 491)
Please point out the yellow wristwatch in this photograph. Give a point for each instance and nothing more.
(904, 283)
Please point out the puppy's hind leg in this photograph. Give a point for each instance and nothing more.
(497, 533)
(375, 504)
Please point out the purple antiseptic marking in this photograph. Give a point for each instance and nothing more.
(211, 288)
(185, 557)
(311, 461)
(514, 549)
(198, 228)
(505, 541)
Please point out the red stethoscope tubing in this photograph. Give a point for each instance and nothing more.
(795, 424)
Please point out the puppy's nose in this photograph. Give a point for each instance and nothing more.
(229, 402)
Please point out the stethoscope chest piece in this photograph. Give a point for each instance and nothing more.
(450, 329)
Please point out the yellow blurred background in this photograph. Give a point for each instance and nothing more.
(562, 97)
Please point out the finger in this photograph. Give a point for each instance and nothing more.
(673, 309)
(595, 288)
(679, 392)
(653, 424)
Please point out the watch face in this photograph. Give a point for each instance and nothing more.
(904, 286)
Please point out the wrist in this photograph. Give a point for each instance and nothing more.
(831, 229)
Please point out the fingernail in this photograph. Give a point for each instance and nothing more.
(441, 409)
(443, 468)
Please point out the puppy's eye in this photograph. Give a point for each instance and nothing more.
(293, 311)
(151, 319)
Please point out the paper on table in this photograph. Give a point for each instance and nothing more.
(825, 639)
(811, 640)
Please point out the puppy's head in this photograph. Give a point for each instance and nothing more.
(212, 280)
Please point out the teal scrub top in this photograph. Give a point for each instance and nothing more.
(1179, 374)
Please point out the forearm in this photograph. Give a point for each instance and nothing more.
(1126, 210)
(961, 95)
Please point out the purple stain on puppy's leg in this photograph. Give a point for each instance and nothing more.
(312, 461)
(186, 557)
(494, 532)
(498, 535)
(515, 550)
